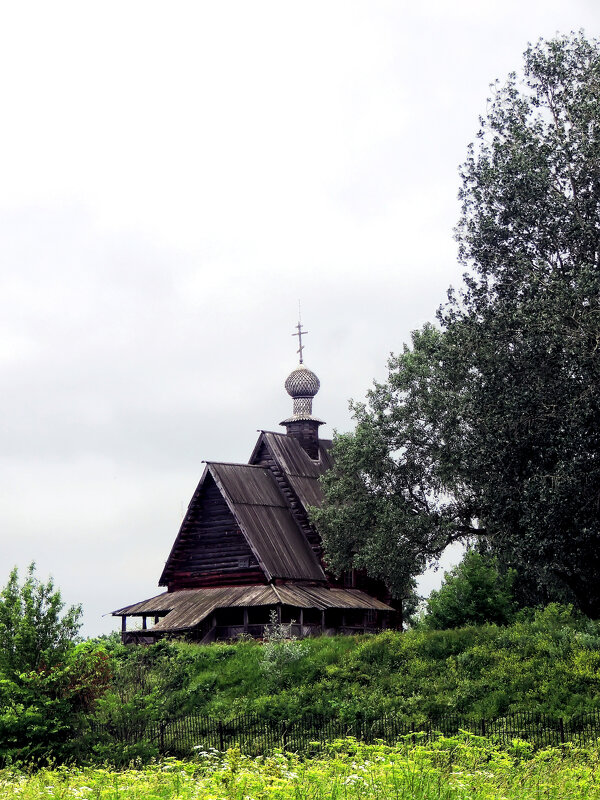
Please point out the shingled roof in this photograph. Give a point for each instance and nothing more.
(187, 608)
(302, 472)
(267, 522)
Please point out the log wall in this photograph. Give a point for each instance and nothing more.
(211, 550)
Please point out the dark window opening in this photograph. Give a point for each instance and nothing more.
(259, 615)
(333, 618)
(312, 616)
(230, 616)
(290, 614)
(354, 617)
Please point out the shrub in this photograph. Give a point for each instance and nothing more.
(472, 593)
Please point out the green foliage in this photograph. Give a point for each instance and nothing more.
(47, 682)
(472, 593)
(454, 768)
(33, 630)
(281, 650)
(530, 235)
(149, 684)
(43, 712)
(547, 661)
(370, 519)
(489, 427)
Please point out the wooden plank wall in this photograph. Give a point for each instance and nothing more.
(211, 550)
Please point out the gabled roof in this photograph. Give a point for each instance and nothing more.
(264, 518)
(267, 522)
(301, 471)
(184, 609)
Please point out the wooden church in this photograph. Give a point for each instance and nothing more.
(246, 547)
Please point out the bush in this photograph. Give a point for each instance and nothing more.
(33, 629)
(43, 713)
(47, 682)
(472, 593)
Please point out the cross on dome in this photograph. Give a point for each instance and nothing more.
(302, 385)
(299, 335)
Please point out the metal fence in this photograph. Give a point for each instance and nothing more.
(254, 734)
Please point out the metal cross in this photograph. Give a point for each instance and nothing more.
(299, 335)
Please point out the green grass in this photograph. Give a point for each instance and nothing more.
(549, 664)
(460, 768)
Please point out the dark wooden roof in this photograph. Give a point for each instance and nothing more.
(185, 609)
(301, 471)
(247, 540)
(267, 522)
(262, 515)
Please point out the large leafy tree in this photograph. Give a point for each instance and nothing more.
(489, 423)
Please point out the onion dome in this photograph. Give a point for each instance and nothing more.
(302, 382)
(302, 385)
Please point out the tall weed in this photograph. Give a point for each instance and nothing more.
(457, 768)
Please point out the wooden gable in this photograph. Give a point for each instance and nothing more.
(239, 529)
(210, 546)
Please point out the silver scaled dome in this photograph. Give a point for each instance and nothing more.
(302, 382)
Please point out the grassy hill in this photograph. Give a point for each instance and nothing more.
(549, 663)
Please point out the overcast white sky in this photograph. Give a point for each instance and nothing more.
(174, 177)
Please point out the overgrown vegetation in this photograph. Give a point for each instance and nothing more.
(472, 593)
(35, 628)
(547, 663)
(47, 683)
(449, 769)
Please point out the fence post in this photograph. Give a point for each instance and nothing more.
(412, 730)
(483, 726)
(221, 742)
(561, 728)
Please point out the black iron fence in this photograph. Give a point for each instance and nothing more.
(254, 734)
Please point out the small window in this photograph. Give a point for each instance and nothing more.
(231, 616)
(290, 614)
(260, 615)
(354, 617)
(312, 616)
